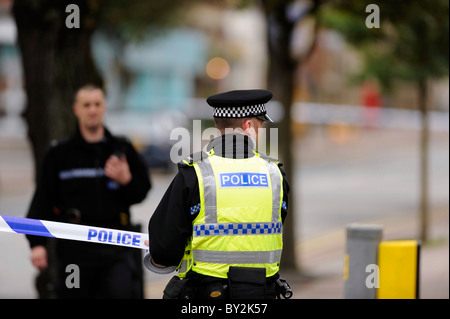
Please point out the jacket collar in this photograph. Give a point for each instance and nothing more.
(233, 145)
(80, 139)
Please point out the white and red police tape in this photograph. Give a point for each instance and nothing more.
(28, 226)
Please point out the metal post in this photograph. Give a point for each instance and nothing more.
(361, 259)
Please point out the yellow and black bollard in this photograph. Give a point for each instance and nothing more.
(398, 262)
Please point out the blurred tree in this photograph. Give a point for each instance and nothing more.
(57, 59)
(283, 18)
(411, 44)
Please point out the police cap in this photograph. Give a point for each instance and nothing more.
(240, 104)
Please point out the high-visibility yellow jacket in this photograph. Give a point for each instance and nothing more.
(239, 223)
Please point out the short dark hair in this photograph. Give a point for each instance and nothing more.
(226, 122)
(223, 123)
(86, 87)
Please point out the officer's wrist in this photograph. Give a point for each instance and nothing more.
(125, 180)
(157, 265)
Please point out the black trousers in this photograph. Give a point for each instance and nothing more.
(98, 271)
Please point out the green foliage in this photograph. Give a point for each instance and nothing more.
(132, 19)
(411, 43)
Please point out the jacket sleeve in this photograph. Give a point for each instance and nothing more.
(286, 189)
(43, 201)
(139, 186)
(170, 226)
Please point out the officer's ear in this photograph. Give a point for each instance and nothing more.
(247, 124)
(74, 108)
(75, 102)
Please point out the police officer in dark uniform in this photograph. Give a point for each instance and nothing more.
(220, 221)
(92, 178)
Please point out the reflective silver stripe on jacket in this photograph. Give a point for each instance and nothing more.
(185, 265)
(237, 257)
(210, 195)
(210, 192)
(276, 189)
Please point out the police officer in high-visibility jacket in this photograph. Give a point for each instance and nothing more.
(220, 221)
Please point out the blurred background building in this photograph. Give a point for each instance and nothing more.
(356, 147)
(170, 72)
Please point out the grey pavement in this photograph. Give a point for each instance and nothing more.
(358, 176)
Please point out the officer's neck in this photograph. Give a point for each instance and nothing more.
(92, 134)
(232, 146)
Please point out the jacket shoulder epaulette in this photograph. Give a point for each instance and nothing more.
(58, 143)
(268, 158)
(193, 158)
(122, 139)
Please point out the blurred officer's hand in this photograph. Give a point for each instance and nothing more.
(118, 170)
(39, 257)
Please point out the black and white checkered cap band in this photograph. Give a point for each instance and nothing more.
(240, 111)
